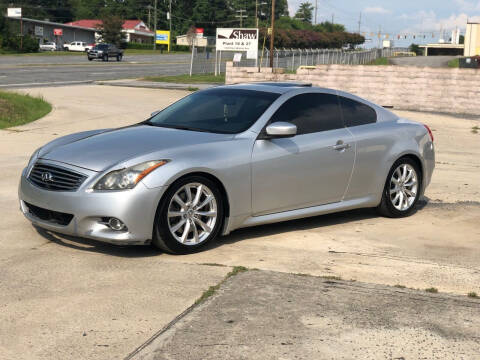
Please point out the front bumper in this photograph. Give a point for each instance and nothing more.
(135, 207)
(93, 55)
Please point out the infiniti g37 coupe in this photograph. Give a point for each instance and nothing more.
(226, 158)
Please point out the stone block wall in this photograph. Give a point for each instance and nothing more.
(403, 87)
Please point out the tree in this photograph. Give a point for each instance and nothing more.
(304, 12)
(111, 30)
(416, 49)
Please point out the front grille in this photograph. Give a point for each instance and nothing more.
(55, 178)
(50, 215)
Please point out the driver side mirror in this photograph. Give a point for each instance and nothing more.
(281, 129)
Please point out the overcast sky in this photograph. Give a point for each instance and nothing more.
(420, 17)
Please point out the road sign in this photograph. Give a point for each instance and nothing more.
(237, 39)
(58, 32)
(14, 12)
(163, 37)
(38, 30)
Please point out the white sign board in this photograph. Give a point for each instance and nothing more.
(38, 30)
(14, 12)
(237, 57)
(238, 39)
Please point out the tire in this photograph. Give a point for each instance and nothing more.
(90, 59)
(119, 57)
(105, 58)
(406, 177)
(171, 233)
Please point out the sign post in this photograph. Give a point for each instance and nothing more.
(238, 39)
(163, 37)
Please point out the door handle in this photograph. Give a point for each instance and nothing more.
(340, 145)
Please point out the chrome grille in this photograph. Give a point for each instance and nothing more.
(55, 178)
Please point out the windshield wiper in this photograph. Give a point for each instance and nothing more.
(177, 127)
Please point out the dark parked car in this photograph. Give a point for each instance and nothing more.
(105, 52)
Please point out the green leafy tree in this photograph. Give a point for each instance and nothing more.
(304, 12)
(111, 30)
(416, 49)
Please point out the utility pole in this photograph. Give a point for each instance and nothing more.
(155, 25)
(149, 7)
(256, 14)
(272, 35)
(333, 18)
(241, 16)
(360, 22)
(170, 17)
(316, 6)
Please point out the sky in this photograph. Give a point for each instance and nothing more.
(426, 19)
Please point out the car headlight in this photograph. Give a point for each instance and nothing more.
(32, 160)
(129, 177)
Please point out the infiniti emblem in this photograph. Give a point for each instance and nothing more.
(47, 177)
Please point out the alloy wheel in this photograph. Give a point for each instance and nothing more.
(192, 214)
(403, 187)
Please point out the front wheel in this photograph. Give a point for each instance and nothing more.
(105, 57)
(402, 189)
(119, 57)
(189, 216)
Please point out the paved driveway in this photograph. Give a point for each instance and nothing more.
(64, 297)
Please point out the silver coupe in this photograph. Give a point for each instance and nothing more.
(226, 158)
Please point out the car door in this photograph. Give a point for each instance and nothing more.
(309, 169)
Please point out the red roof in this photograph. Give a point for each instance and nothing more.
(93, 23)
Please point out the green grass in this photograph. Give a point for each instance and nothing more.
(455, 63)
(380, 61)
(475, 129)
(152, 52)
(43, 53)
(213, 289)
(432, 290)
(473, 294)
(399, 286)
(187, 79)
(17, 109)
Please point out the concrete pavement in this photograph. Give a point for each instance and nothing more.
(428, 61)
(63, 297)
(266, 315)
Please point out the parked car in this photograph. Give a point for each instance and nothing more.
(76, 46)
(89, 46)
(226, 158)
(105, 52)
(48, 46)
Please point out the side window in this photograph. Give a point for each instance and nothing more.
(355, 113)
(311, 113)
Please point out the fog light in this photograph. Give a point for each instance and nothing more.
(116, 224)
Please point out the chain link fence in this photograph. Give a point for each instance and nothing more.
(204, 59)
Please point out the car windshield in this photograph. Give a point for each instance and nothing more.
(101, 47)
(227, 111)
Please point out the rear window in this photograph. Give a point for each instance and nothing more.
(356, 113)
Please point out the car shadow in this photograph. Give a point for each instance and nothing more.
(139, 251)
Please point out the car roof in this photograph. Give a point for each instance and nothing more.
(274, 87)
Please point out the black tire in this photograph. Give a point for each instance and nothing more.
(90, 59)
(386, 207)
(105, 58)
(163, 238)
(119, 57)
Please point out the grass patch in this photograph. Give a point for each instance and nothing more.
(399, 286)
(380, 61)
(187, 79)
(152, 52)
(192, 88)
(213, 264)
(475, 129)
(473, 294)
(44, 53)
(213, 289)
(455, 63)
(432, 290)
(17, 109)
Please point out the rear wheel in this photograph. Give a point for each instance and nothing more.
(402, 189)
(189, 216)
(119, 57)
(105, 57)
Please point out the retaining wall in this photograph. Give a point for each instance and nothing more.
(403, 87)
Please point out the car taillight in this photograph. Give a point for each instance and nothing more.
(429, 131)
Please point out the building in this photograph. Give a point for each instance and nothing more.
(45, 31)
(443, 49)
(472, 39)
(136, 31)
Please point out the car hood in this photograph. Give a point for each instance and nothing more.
(101, 150)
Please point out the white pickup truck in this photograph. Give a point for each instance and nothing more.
(48, 46)
(77, 46)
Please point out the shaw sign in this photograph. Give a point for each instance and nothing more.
(238, 40)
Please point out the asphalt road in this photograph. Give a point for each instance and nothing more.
(29, 71)
(423, 61)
